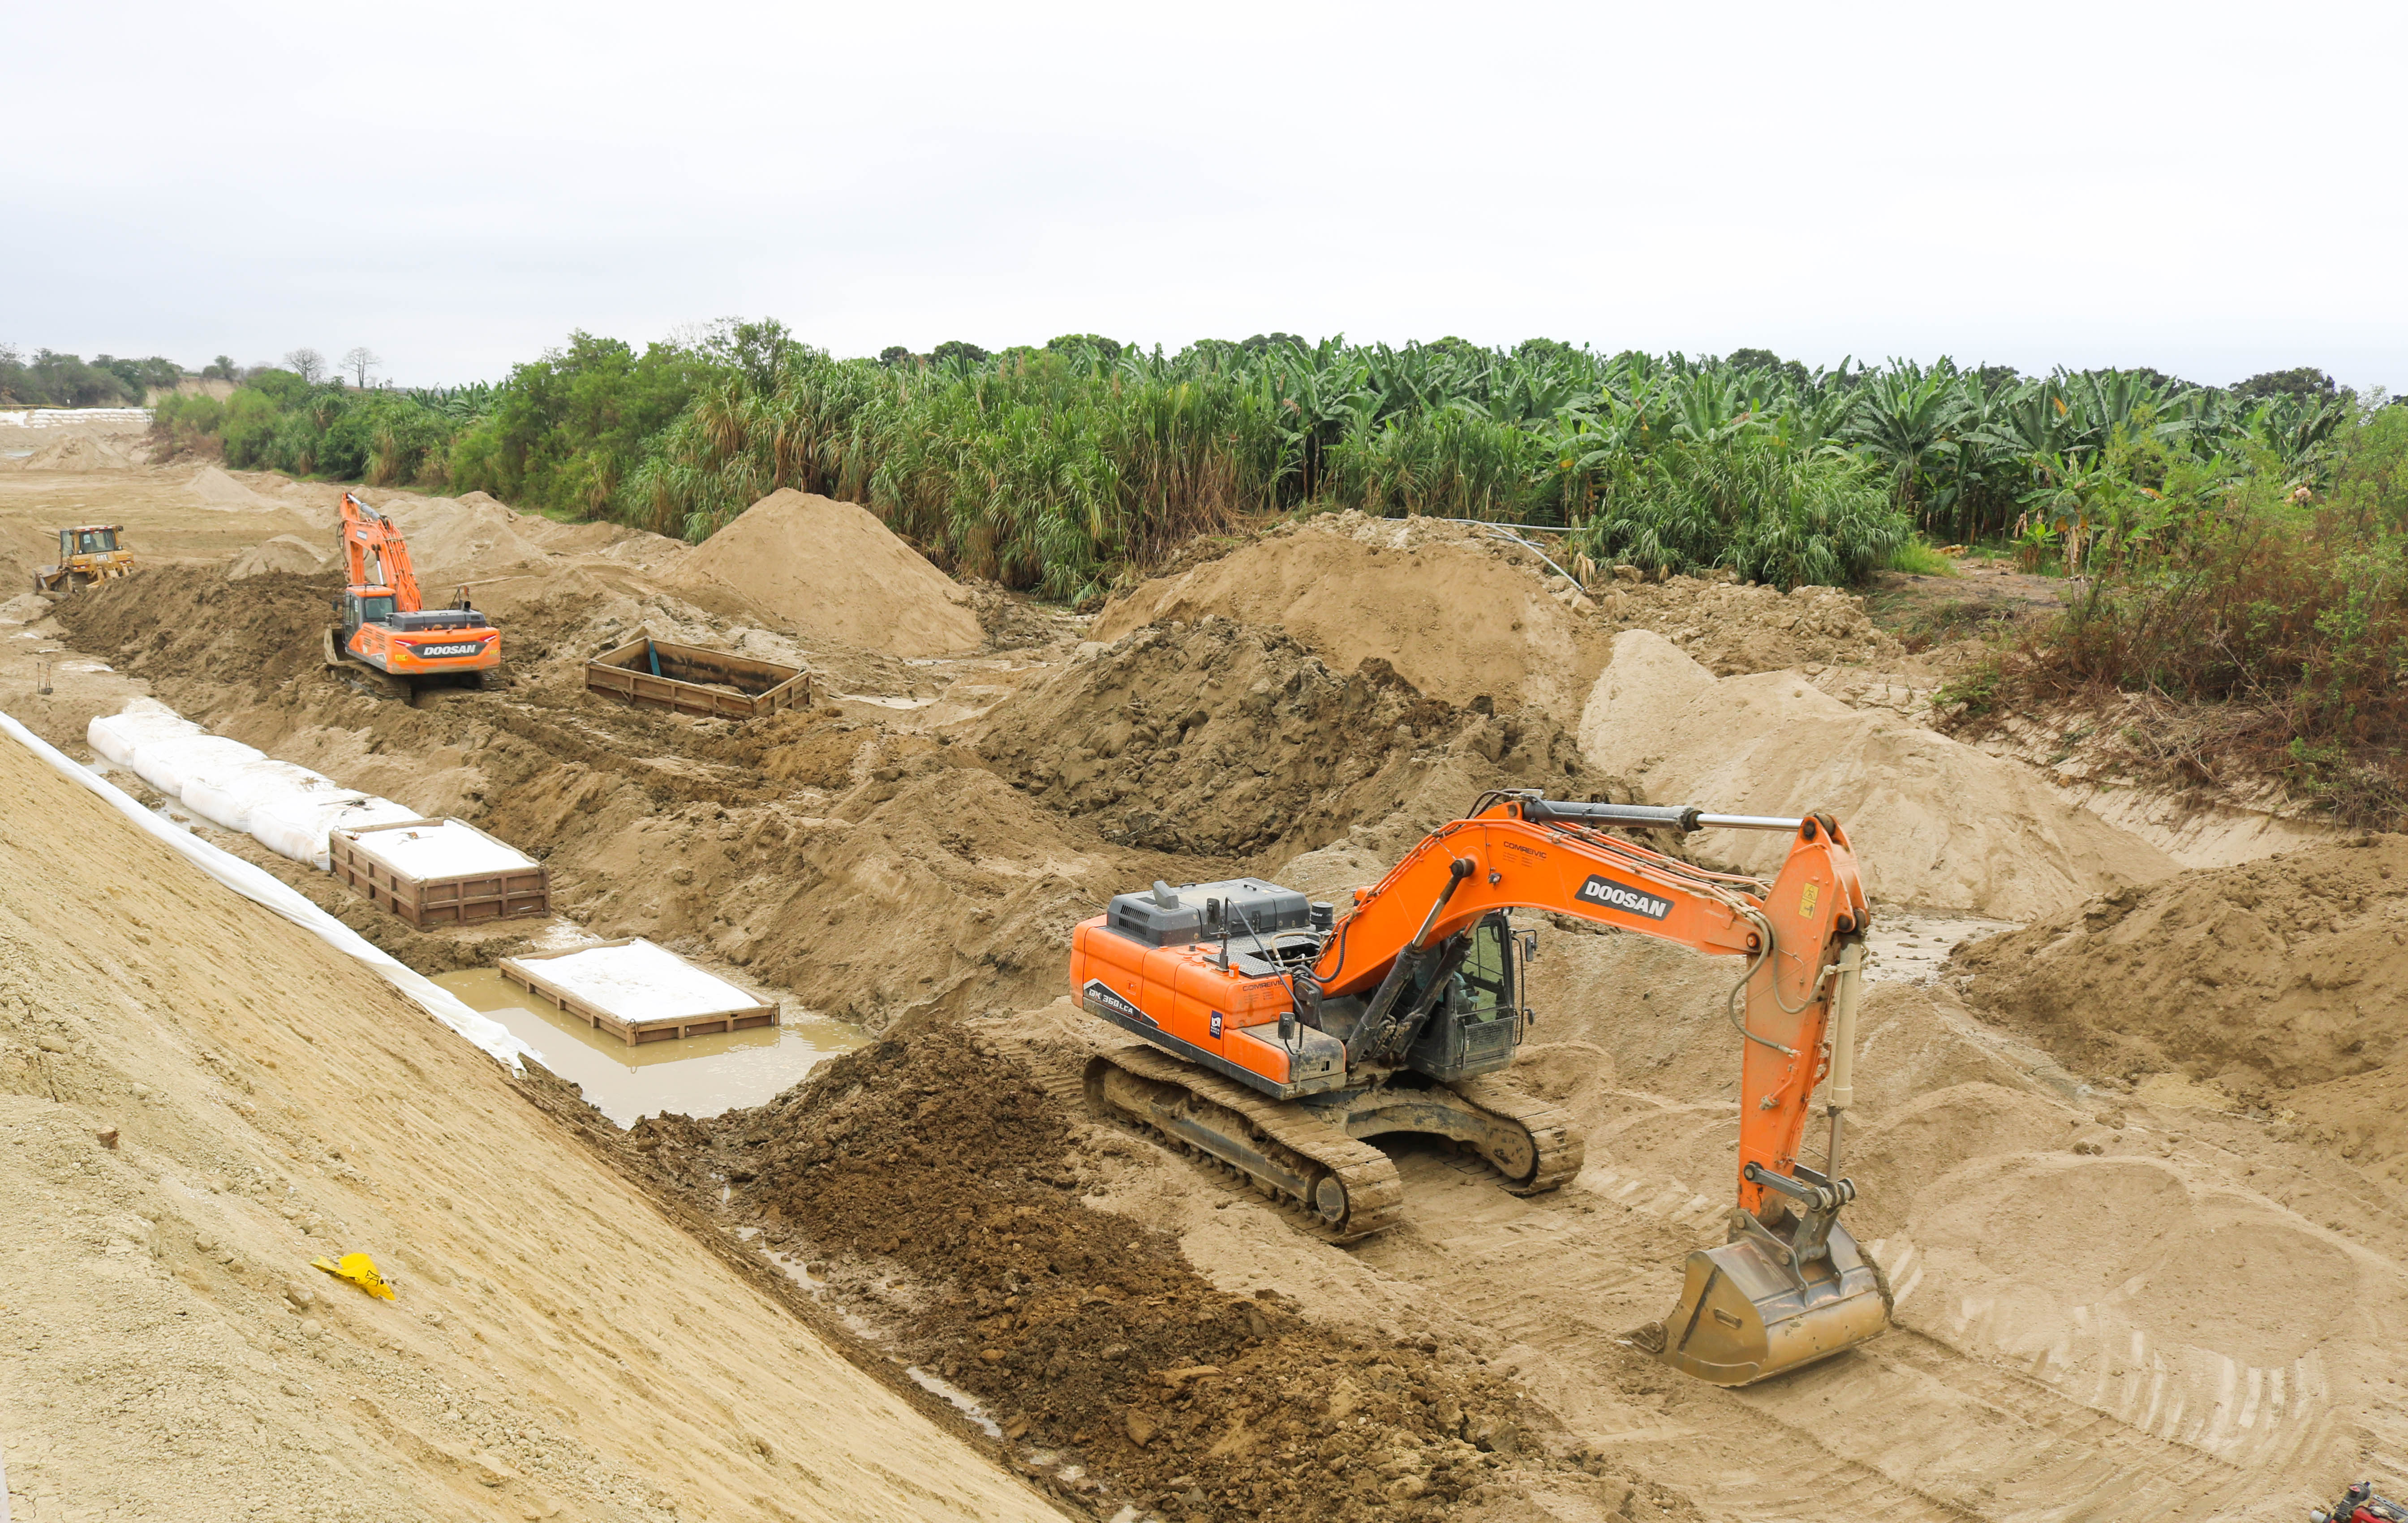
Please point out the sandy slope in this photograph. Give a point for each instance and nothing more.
(559, 1348)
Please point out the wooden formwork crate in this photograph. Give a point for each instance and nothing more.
(460, 898)
(688, 679)
(528, 973)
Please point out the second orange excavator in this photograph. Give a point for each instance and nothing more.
(384, 627)
(1280, 1034)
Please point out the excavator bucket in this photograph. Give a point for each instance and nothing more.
(1744, 1314)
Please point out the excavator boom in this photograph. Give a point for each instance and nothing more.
(1381, 1013)
(368, 535)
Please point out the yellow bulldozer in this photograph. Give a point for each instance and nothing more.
(88, 552)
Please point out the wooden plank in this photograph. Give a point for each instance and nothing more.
(457, 899)
(626, 671)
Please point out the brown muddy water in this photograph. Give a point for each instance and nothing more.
(699, 1076)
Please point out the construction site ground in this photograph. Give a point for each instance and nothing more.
(2126, 1138)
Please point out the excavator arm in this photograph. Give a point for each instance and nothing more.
(1790, 1285)
(369, 533)
(1535, 853)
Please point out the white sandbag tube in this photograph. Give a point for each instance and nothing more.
(118, 737)
(297, 826)
(166, 763)
(227, 797)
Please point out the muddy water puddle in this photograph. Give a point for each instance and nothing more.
(699, 1076)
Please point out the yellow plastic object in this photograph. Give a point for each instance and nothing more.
(360, 1270)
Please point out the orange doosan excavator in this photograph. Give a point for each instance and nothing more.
(382, 626)
(1280, 1034)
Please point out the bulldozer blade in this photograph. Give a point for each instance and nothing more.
(1744, 1315)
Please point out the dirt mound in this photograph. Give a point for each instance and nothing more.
(832, 570)
(285, 553)
(1081, 1331)
(1460, 612)
(1456, 616)
(1937, 824)
(218, 492)
(452, 537)
(1731, 629)
(2288, 968)
(1213, 736)
(78, 452)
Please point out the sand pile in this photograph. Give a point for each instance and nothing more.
(1216, 737)
(198, 1099)
(78, 452)
(1731, 629)
(285, 552)
(213, 489)
(1079, 1331)
(1455, 617)
(832, 571)
(454, 538)
(1936, 822)
(2289, 968)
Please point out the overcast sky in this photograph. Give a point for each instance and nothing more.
(2210, 189)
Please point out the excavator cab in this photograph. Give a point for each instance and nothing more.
(1478, 1018)
(365, 605)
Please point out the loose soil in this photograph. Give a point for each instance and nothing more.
(2132, 1280)
(953, 1190)
(2289, 970)
(1936, 822)
(197, 1098)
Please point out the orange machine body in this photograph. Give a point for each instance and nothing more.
(1183, 999)
(384, 623)
(1188, 1003)
(424, 652)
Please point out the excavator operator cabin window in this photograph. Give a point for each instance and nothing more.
(376, 610)
(1484, 985)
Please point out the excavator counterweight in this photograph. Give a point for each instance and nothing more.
(1280, 1034)
(382, 626)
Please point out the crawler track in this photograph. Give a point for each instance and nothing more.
(1346, 1189)
(1560, 1149)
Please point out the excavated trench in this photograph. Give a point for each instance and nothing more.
(1147, 1334)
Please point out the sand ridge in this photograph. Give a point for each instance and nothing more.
(1936, 822)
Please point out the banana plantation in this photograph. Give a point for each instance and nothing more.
(1061, 467)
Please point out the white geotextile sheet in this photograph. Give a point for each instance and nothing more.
(443, 849)
(254, 884)
(641, 982)
(297, 826)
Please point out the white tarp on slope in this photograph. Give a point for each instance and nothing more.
(255, 886)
